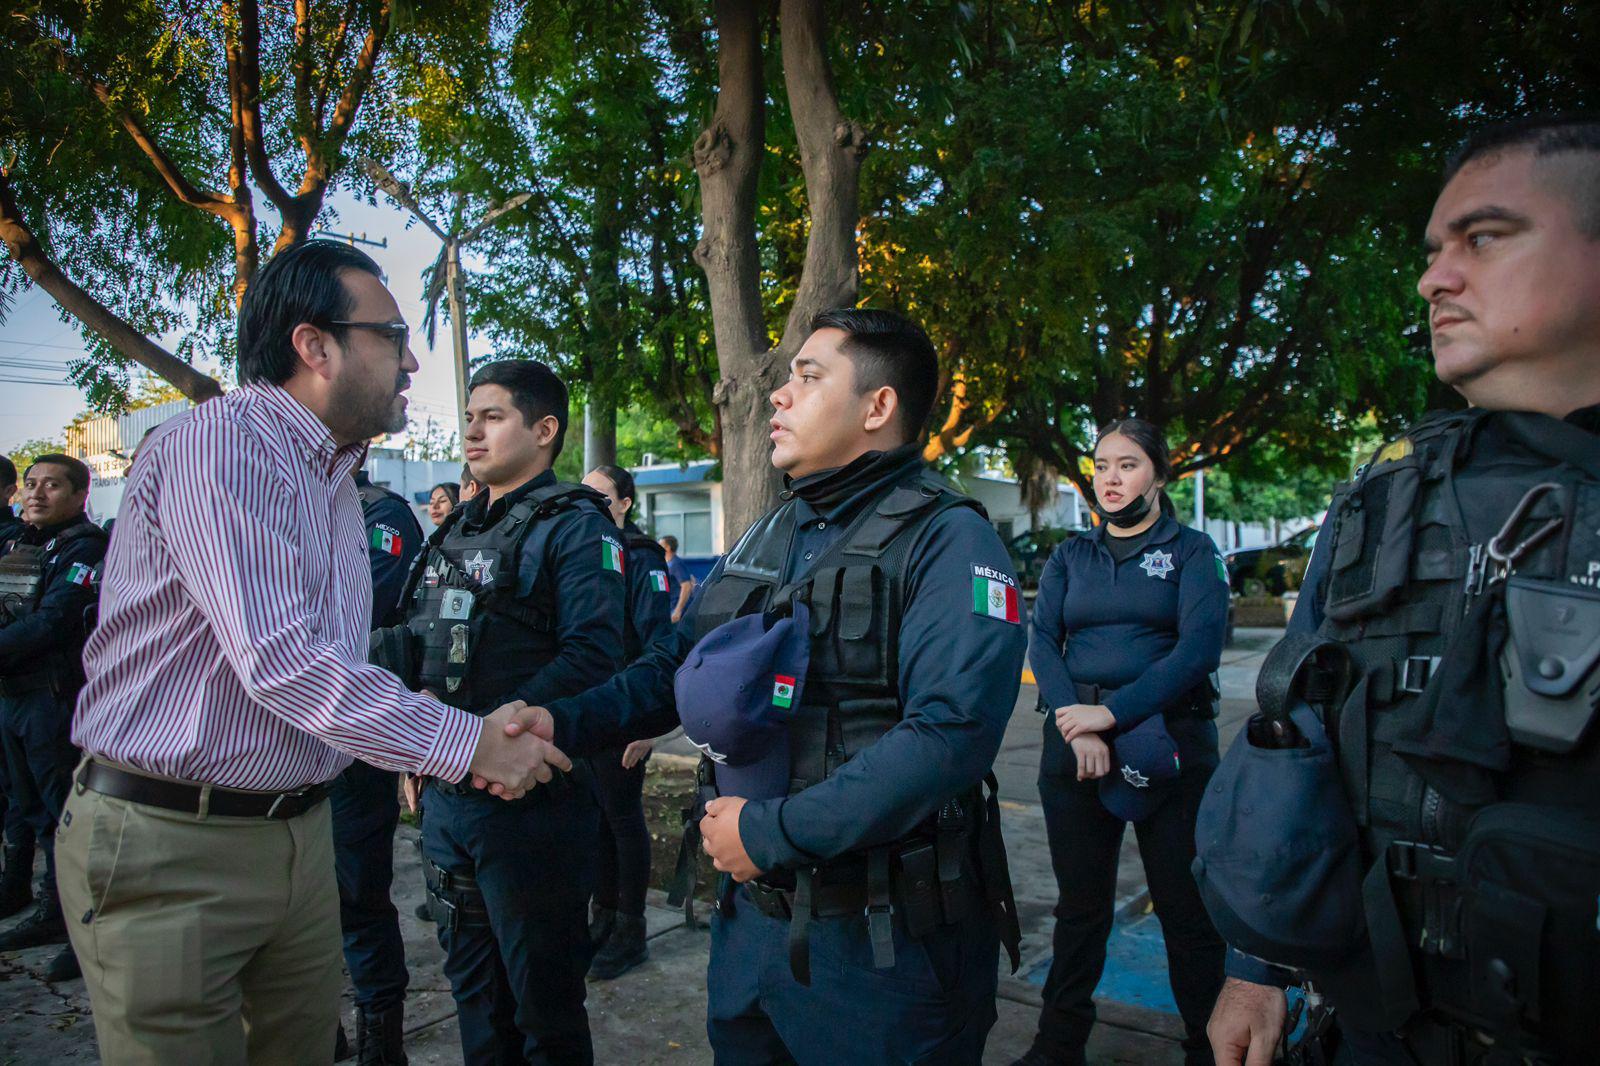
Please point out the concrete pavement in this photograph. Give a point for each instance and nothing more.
(656, 1013)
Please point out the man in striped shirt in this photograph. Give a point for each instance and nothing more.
(227, 686)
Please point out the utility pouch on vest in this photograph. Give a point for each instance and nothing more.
(1550, 664)
(394, 648)
(1529, 876)
(1374, 526)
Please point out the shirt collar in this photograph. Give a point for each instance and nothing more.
(480, 514)
(308, 432)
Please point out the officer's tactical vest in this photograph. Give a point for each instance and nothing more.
(372, 495)
(1489, 921)
(857, 589)
(476, 639)
(22, 570)
(652, 557)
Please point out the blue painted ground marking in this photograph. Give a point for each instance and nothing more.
(1136, 963)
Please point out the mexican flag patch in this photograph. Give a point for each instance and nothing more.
(658, 580)
(81, 575)
(610, 555)
(995, 594)
(1222, 569)
(782, 690)
(386, 540)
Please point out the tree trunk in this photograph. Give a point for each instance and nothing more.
(599, 434)
(727, 158)
(26, 250)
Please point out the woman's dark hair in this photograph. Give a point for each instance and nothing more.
(619, 478)
(299, 284)
(535, 392)
(1151, 440)
(451, 490)
(887, 348)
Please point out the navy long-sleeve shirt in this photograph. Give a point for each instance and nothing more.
(1152, 626)
(959, 673)
(67, 589)
(650, 593)
(393, 540)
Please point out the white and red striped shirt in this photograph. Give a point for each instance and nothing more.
(235, 600)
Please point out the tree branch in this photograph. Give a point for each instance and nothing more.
(30, 255)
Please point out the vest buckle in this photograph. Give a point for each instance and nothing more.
(1415, 672)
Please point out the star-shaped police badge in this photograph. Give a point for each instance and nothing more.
(1157, 564)
(480, 568)
(1134, 777)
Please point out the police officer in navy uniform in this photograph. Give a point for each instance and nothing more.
(864, 899)
(366, 810)
(1128, 628)
(1455, 581)
(48, 584)
(15, 890)
(519, 595)
(622, 874)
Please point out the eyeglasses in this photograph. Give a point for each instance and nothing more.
(398, 332)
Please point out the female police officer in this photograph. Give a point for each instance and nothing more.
(1127, 629)
(623, 865)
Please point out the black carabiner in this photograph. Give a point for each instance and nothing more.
(1507, 557)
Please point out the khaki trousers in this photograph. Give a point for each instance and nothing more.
(202, 940)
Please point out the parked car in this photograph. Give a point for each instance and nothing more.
(1279, 567)
(1031, 550)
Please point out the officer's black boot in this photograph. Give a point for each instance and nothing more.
(16, 883)
(381, 1038)
(602, 920)
(64, 967)
(623, 950)
(42, 926)
(424, 912)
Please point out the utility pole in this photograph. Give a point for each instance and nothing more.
(1200, 500)
(449, 264)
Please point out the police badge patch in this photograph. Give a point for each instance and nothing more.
(1157, 564)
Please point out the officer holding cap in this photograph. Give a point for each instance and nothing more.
(1127, 630)
(1435, 824)
(848, 670)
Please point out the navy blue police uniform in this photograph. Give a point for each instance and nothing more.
(48, 587)
(365, 801)
(1428, 723)
(622, 870)
(14, 892)
(873, 933)
(1141, 636)
(521, 599)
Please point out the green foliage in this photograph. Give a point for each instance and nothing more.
(25, 453)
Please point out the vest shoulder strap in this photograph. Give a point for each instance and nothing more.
(83, 529)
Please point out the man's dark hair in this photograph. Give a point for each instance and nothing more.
(467, 478)
(887, 348)
(671, 543)
(299, 284)
(535, 391)
(8, 471)
(77, 472)
(1544, 136)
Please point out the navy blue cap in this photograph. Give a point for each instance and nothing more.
(1277, 860)
(1144, 764)
(738, 690)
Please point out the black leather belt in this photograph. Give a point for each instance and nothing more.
(175, 796)
(827, 901)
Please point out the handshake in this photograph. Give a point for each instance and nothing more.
(515, 751)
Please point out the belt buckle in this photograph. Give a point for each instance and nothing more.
(272, 811)
(1416, 671)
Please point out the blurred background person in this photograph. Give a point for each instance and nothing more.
(622, 870)
(444, 498)
(680, 582)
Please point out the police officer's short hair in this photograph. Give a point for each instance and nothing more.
(670, 542)
(77, 472)
(1544, 136)
(887, 348)
(8, 471)
(299, 284)
(535, 391)
(467, 478)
